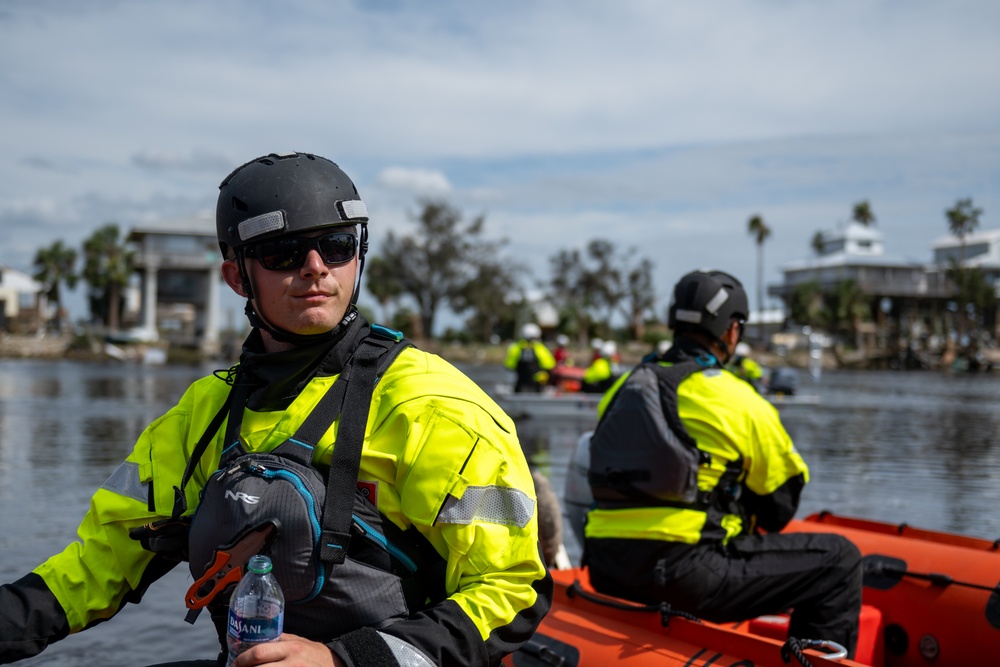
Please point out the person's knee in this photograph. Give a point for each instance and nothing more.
(850, 556)
(842, 554)
(850, 569)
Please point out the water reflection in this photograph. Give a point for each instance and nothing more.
(50, 387)
(918, 448)
(107, 440)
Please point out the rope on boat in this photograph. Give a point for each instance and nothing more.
(666, 611)
(794, 648)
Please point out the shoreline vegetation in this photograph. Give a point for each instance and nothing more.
(93, 349)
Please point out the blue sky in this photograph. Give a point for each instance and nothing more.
(662, 126)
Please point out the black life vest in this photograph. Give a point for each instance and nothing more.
(641, 455)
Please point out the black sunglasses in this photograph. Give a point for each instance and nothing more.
(289, 252)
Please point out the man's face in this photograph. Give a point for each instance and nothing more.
(310, 299)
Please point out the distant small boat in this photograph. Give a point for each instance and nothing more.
(781, 400)
(553, 404)
(547, 404)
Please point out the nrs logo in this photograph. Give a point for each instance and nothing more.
(239, 495)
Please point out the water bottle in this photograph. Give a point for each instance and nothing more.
(256, 609)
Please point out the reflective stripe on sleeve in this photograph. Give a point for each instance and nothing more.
(125, 482)
(406, 654)
(490, 504)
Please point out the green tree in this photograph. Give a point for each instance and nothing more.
(108, 263)
(817, 243)
(847, 306)
(435, 265)
(759, 230)
(807, 304)
(606, 279)
(640, 297)
(963, 219)
(862, 213)
(574, 288)
(55, 265)
(974, 292)
(382, 283)
(493, 295)
(593, 286)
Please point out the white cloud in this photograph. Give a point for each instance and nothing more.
(414, 182)
(663, 124)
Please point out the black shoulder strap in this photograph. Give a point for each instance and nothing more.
(372, 357)
(669, 378)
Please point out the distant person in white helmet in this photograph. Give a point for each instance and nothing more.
(530, 360)
(562, 354)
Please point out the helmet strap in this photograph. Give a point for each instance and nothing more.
(258, 321)
(244, 275)
(362, 251)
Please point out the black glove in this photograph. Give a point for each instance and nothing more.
(166, 537)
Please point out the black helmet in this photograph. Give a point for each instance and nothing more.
(709, 301)
(280, 194)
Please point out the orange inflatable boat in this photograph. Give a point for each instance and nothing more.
(930, 599)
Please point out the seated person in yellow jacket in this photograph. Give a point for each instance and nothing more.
(443, 568)
(693, 475)
(530, 360)
(745, 368)
(603, 370)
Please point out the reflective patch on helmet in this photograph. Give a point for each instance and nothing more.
(354, 208)
(720, 298)
(692, 316)
(125, 482)
(491, 504)
(405, 653)
(262, 224)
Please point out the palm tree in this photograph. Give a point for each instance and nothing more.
(850, 306)
(760, 231)
(863, 214)
(817, 243)
(55, 265)
(963, 220)
(108, 265)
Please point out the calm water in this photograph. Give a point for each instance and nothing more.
(921, 448)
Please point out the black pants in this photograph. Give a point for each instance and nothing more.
(815, 575)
